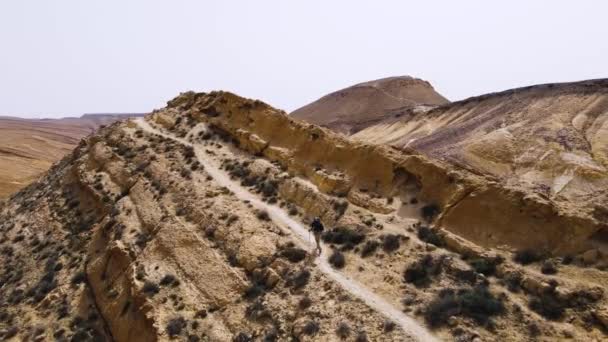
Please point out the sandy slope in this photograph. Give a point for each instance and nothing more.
(282, 219)
(29, 147)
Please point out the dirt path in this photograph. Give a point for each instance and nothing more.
(282, 219)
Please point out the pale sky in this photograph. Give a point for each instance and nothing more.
(64, 58)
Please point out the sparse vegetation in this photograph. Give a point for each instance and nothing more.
(390, 242)
(343, 236)
(175, 326)
(361, 337)
(485, 266)
(336, 259)
(304, 303)
(429, 212)
(262, 215)
(369, 248)
(388, 326)
(150, 288)
(420, 272)
(476, 303)
(431, 236)
(311, 328)
(299, 280)
(293, 254)
(343, 330)
(527, 256)
(548, 267)
(169, 279)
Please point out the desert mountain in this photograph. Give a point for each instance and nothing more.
(191, 224)
(549, 140)
(29, 147)
(354, 108)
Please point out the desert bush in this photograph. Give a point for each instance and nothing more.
(175, 326)
(343, 235)
(293, 211)
(299, 280)
(79, 277)
(548, 267)
(150, 288)
(242, 337)
(567, 260)
(293, 254)
(369, 248)
(343, 330)
(336, 259)
(388, 326)
(168, 279)
(268, 188)
(262, 215)
(513, 281)
(390, 242)
(257, 311)
(547, 305)
(188, 153)
(304, 303)
(311, 328)
(476, 303)
(254, 290)
(485, 266)
(431, 236)
(429, 212)
(361, 337)
(186, 173)
(420, 272)
(527, 256)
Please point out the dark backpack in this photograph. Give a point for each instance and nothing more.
(317, 226)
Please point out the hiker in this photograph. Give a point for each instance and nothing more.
(317, 228)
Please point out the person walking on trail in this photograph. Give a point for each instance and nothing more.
(317, 228)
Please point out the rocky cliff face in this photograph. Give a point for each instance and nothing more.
(548, 141)
(351, 109)
(191, 225)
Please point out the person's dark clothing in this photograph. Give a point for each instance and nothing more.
(316, 226)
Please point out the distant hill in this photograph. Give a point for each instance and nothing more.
(29, 146)
(354, 108)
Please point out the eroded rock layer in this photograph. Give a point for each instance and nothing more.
(191, 225)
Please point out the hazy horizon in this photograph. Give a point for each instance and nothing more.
(66, 58)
